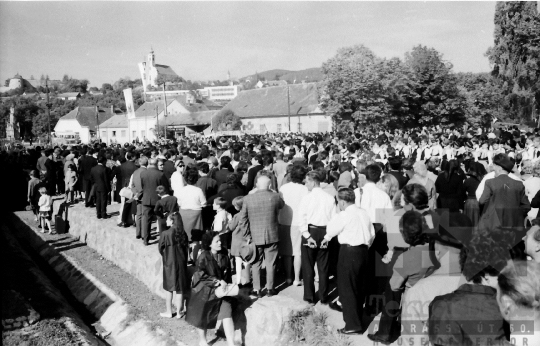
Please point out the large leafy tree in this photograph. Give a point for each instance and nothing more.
(352, 89)
(433, 96)
(516, 55)
(226, 121)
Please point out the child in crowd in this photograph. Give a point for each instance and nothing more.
(221, 220)
(70, 180)
(164, 207)
(239, 234)
(45, 202)
(32, 194)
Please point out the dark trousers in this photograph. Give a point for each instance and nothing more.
(87, 185)
(138, 219)
(101, 203)
(147, 213)
(125, 212)
(268, 253)
(378, 272)
(390, 322)
(352, 264)
(309, 258)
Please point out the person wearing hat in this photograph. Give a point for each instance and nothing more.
(505, 202)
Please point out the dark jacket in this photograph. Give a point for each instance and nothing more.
(505, 203)
(151, 178)
(100, 177)
(203, 306)
(221, 176)
(165, 206)
(124, 172)
(86, 164)
(207, 185)
(168, 169)
(400, 177)
(252, 173)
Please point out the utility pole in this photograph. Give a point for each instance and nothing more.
(165, 114)
(289, 107)
(49, 105)
(97, 122)
(157, 122)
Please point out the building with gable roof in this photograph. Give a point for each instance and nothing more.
(265, 110)
(83, 122)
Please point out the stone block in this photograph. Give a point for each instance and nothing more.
(265, 319)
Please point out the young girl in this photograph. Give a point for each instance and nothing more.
(44, 204)
(221, 220)
(70, 180)
(239, 234)
(173, 247)
(32, 198)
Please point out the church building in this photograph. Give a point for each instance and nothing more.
(150, 71)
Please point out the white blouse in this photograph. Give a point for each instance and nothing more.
(191, 198)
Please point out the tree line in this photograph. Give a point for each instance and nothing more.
(361, 89)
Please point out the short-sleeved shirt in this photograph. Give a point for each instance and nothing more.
(468, 316)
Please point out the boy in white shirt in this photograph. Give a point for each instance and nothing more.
(221, 220)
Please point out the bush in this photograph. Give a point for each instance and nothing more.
(309, 327)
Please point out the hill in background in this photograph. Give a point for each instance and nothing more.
(310, 75)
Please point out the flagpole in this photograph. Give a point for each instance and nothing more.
(165, 114)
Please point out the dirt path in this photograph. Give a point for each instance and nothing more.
(146, 305)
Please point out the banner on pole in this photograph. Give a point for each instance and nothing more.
(128, 96)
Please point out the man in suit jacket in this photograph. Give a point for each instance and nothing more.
(123, 176)
(395, 170)
(168, 165)
(100, 177)
(86, 163)
(151, 178)
(259, 214)
(221, 176)
(50, 175)
(505, 203)
(257, 166)
(136, 188)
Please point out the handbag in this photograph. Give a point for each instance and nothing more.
(29, 207)
(126, 193)
(229, 290)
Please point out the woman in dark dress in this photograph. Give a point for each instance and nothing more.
(204, 307)
(472, 209)
(173, 247)
(449, 186)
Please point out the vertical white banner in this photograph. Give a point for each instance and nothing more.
(128, 97)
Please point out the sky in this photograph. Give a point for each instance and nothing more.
(104, 41)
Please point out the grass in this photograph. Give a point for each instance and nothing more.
(309, 327)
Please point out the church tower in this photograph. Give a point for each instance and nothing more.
(151, 58)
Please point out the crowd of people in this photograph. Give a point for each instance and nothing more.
(435, 228)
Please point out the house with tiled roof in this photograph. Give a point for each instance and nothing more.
(267, 109)
(84, 122)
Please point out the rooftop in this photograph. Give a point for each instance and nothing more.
(273, 101)
(118, 120)
(86, 116)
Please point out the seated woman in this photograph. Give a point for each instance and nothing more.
(204, 307)
(470, 315)
(518, 295)
(173, 247)
(410, 266)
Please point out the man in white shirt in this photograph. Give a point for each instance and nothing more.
(355, 234)
(372, 199)
(315, 211)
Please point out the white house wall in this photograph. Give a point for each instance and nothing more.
(118, 135)
(138, 127)
(72, 127)
(280, 124)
